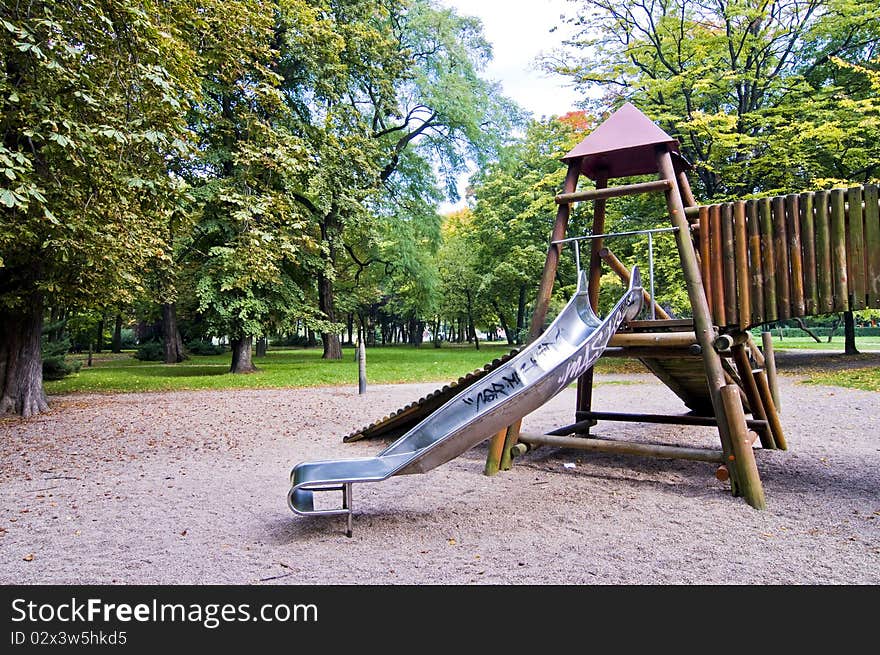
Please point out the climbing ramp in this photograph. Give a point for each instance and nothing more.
(570, 346)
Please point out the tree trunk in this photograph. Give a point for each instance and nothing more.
(520, 314)
(99, 336)
(21, 362)
(116, 346)
(262, 346)
(471, 325)
(241, 356)
(849, 334)
(504, 326)
(174, 351)
(326, 303)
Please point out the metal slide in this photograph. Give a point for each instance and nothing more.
(568, 348)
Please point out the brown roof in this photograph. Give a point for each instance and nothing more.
(623, 145)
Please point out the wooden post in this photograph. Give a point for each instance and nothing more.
(585, 382)
(729, 255)
(717, 265)
(780, 241)
(742, 457)
(362, 364)
(768, 259)
(793, 231)
(756, 295)
(770, 366)
(824, 271)
(706, 257)
(493, 459)
(703, 327)
(770, 409)
(743, 278)
(744, 368)
(856, 249)
(872, 245)
(838, 250)
(503, 441)
(808, 247)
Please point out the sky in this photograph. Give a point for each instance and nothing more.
(519, 31)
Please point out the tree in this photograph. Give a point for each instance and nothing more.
(513, 216)
(401, 89)
(91, 103)
(246, 250)
(763, 97)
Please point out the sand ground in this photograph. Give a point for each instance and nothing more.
(190, 488)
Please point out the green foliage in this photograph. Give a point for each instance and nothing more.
(91, 106)
(772, 97)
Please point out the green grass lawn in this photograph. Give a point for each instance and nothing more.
(807, 343)
(289, 368)
(867, 379)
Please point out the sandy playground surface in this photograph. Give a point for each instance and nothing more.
(190, 487)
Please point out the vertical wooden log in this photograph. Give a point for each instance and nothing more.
(706, 257)
(730, 306)
(824, 270)
(770, 367)
(684, 187)
(743, 457)
(770, 409)
(584, 397)
(856, 249)
(795, 259)
(699, 305)
(716, 260)
(838, 250)
(756, 292)
(768, 259)
(780, 242)
(493, 459)
(741, 256)
(506, 439)
(744, 369)
(595, 270)
(872, 245)
(808, 250)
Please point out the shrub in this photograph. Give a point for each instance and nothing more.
(151, 351)
(55, 362)
(201, 347)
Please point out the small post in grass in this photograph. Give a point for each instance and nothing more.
(362, 362)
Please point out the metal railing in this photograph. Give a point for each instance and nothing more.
(649, 232)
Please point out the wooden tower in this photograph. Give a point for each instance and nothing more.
(693, 357)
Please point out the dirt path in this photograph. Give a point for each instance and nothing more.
(189, 487)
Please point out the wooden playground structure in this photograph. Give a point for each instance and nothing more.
(745, 263)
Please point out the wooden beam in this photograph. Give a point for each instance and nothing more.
(625, 448)
(744, 368)
(660, 419)
(653, 186)
(631, 339)
(703, 327)
(743, 457)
